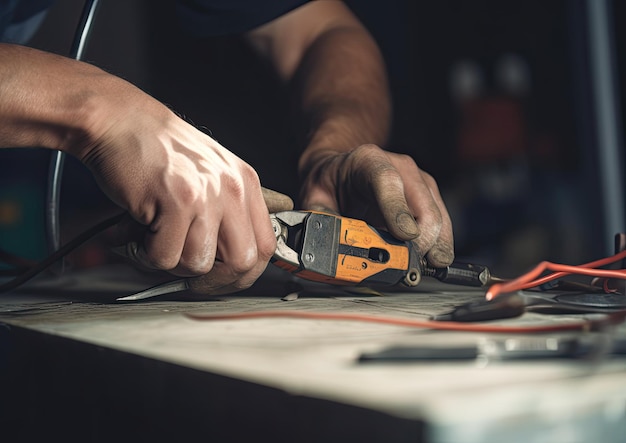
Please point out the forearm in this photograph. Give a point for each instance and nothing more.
(199, 208)
(342, 93)
(54, 102)
(336, 77)
(37, 108)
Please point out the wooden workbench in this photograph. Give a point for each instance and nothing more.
(79, 366)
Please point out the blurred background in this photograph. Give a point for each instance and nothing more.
(493, 98)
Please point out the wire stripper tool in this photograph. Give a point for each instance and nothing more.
(341, 251)
(338, 250)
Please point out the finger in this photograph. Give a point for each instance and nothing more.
(164, 241)
(409, 202)
(275, 201)
(128, 237)
(388, 189)
(442, 252)
(244, 253)
(224, 278)
(215, 282)
(198, 255)
(436, 238)
(380, 187)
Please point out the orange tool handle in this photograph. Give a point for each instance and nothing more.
(341, 250)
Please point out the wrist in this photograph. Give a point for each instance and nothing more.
(109, 112)
(314, 158)
(340, 134)
(89, 113)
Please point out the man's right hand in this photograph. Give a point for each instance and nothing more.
(202, 207)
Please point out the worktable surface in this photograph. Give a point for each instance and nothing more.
(471, 400)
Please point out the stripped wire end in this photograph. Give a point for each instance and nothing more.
(534, 277)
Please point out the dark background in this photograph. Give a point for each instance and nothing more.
(514, 159)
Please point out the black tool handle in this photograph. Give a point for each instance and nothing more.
(466, 274)
(505, 306)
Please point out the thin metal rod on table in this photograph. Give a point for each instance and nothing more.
(609, 138)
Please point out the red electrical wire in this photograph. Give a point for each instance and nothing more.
(528, 280)
(532, 278)
(583, 325)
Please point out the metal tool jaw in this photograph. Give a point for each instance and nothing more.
(338, 250)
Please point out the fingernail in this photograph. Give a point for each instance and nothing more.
(440, 257)
(406, 223)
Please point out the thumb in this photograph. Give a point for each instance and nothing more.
(275, 201)
(390, 198)
(402, 224)
(399, 221)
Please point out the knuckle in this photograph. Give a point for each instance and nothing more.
(405, 159)
(367, 156)
(250, 175)
(247, 180)
(244, 262)
(181, 190)
(366, 149)
(386, 180)
(430, 180)
(386, 172)
(186, 195)
(141, 216)
(189, 196)
(162, 263)
(367, 152)
(235, 189)
(434, 217)
(266, 249)
(196, 266)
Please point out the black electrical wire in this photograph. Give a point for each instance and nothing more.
(60, 253)
(57, 160)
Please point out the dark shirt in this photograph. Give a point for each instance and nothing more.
(217, 17)
(19, 19)
(199, 17)
(18, 11)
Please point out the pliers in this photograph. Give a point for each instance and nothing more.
(338, 250)
(342, 251)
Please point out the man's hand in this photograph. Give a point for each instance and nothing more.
(387, 190)
(202, 207)
(336, 73)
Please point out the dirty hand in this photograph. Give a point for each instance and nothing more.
(201, 208)
(386, 190)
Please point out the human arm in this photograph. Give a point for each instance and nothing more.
(201, 206)
(337, 76)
